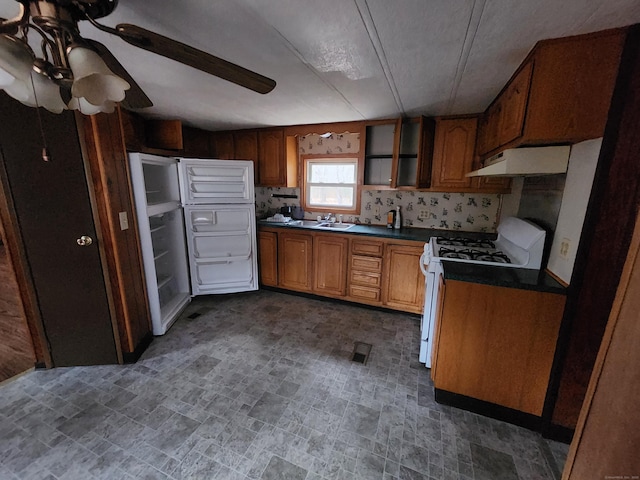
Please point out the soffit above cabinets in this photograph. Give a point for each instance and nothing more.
(337, 60)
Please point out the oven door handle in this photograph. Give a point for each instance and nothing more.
(422, 264)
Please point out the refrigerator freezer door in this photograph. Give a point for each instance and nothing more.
(222, 246)
(216, 181)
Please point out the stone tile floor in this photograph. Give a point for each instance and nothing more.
(261, 386)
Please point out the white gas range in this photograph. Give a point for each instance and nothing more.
(520, 244)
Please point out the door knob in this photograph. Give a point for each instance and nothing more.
(84, 241)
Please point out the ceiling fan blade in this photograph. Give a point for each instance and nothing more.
(195, 58)
(135, 97)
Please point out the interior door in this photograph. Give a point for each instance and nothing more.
(53, 211)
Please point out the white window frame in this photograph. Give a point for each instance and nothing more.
(307, 160)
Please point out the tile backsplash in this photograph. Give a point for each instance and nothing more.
(471, 212)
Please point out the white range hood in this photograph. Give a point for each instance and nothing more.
(530, 161)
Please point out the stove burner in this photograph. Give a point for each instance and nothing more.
(465, 242)
(477, 255)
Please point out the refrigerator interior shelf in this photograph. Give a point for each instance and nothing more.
(159, 208)
(162, 281)
(158, 228)
(160, 255)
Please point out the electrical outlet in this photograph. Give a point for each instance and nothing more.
(424, 214)
(565, 246)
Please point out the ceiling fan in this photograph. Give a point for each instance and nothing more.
(56, 21)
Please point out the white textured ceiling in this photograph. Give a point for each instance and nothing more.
(340, 60)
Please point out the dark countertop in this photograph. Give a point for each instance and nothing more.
(405, 233)
(521, 278)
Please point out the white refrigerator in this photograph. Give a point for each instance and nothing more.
(196, 220)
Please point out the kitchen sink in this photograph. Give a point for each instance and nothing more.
(324, 225)
(334, 226)
(303, 223)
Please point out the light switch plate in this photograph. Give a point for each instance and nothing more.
(124, 220)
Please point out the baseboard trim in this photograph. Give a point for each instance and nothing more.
(558, 433)
(509, 415)
(133, 357)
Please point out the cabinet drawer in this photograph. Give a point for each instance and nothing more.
(371, 279)
(367, 264)
(367, 247)
(365, 293)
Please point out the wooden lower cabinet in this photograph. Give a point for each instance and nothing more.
(403, 280)
(330, 265)
(373, 271)
(365, 271)
(496, 344)
(295, 261)
(268, 258)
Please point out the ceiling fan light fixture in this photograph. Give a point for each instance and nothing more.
(45, 93)
(93, 80)
(16, 60)
(86, 108)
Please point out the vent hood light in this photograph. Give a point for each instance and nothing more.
(534, 161)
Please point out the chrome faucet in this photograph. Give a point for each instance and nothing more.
(327, 217)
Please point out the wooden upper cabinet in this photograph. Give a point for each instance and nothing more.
(272, 168)
(503, 122)
(560, 94)
(513, 106)
(245, 145)
(398, 153)
(453, 152)
(196, 143)
(572, 86)
(222, 145)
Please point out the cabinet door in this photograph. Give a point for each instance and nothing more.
(295, 261)
(571, 88)
(245, 147)
(272, 169)
(268, 258)
(222, 145)
(488, 125)
(453, 152)
(496, 344)
(514, 106)
(404, 282)
(330, 265)
(196, 142)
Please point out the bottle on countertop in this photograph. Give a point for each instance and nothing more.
(398, 220)
(391, 218)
